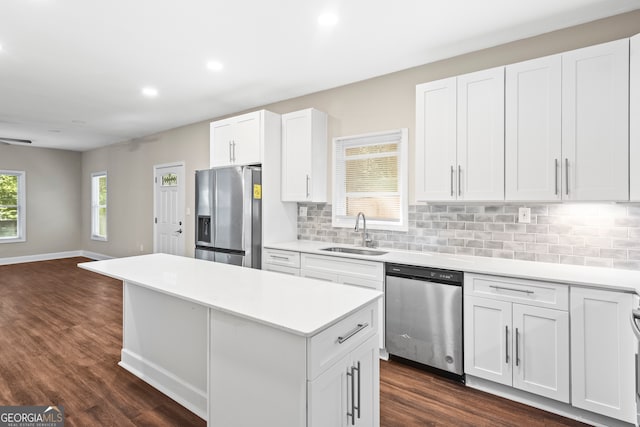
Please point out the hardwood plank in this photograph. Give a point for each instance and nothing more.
(60, 341)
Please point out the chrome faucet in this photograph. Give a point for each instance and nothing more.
(365, 237)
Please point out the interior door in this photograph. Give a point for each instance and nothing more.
(169, 209)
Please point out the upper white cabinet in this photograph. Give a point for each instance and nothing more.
(634, 124)
(460, 137)
(304, 156)
(602, 353)
(533, 129)
(595, 122)
(237, 140)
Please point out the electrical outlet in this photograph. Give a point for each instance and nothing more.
(302, 211)
(524, 215)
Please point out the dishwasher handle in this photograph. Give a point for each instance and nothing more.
(635, 316)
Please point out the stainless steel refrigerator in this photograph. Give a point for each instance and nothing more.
(229, 215)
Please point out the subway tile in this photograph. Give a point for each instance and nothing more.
(629, 221)
(482, 235)
(570, 259)
(464, 234)
(441, 241)
(430, 248)
(560, 228)
(455, 242)
(412, 208)
(547, 238)
(474, 243)
(446, 233)
(515, 228)
(447, 216)
(524, 256)
(564, 239)
(537, 247)
(634, 233)
(494, 209)
(464, 217)
(491, 244)
(539, 209)
(424, 224)
(511, 209)
(414, 247)
(505, 218)
(484, 218)
(422, 208)
(451, 225)
(515, 246)
(438, 208)
(475, 226)
(618, 232)
(554, 258)
(503, 254)
(400, 246)
(483, 252)
(586, 251)
(598, 242)
(613, 253)
(456, 208)
(585, 231)
(625, 243)
(537, 228)
(502, 236)
(494, 227)
(474, 209)
(626, 264)
(524, 237)
(560, 249)
(598, 262)
(446, 249)
(464, 251)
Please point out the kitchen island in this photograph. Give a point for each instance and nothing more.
(246, 347)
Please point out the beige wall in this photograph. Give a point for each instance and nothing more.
(129, 169)
(52, 199)
(382, 103)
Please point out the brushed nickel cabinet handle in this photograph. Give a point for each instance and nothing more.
(358, 407)
(352, 332)
(506, 344)
(352, 414)
(526, 291)
(452, 174)
(566, 174)
(459, 179)
(556, 175)
(517, 349)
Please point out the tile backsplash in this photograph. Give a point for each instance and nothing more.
(604, 235)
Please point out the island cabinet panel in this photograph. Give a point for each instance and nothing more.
(165, 344)
(264, 376)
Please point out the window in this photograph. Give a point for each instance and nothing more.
(99, 206)
(370, 176)
(12, 206)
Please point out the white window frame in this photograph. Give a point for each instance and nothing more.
(339, 219)
(95, 207)
(22, 207)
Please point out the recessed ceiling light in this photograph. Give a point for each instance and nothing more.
(328, 19)
(215, 65)
(150, 92)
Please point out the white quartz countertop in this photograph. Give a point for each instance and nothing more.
(298, 305)
(608, 278)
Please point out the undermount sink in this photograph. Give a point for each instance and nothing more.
(356, 251)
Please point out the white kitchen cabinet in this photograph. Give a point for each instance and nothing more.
(357, 272)
(460, 137)
(436, 161)
(520, 344)
(287, 262)
(634, 112)
(602, 353)
(348, 392)
(595, 122)
(533, 129)
(239, 140)
(304, 156)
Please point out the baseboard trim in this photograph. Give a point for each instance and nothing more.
(185, 394)
(52, 255)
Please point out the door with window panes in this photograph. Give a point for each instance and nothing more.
(169, 210)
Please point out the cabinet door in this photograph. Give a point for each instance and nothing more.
(291, 271)
(480, 136)
(436, 165)
(602, 353)
(320, 275)
(541, 351)
(366, 384)
(487, 339)
(221, 140)
(634, 125)
(246, 139)
(327, 394)
(532, 129)
(595, 122)
(296, 156)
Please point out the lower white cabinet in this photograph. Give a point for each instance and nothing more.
(348, 393)
(516, 344)
(602, 353)
(287, 262)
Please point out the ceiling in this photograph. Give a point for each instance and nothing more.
(72, 71)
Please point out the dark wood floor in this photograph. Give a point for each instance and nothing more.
(61, 334)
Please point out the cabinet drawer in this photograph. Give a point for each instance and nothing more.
(280, 257)
(358, 268)
(328, 346)
(292, 271)
(531, 292)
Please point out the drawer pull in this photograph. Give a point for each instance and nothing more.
(497, 288)
(279, 257)
(351, 333)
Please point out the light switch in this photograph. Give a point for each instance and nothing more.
(302, 211)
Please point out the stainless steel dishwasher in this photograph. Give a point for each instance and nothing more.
(424, 316)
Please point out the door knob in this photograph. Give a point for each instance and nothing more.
(179, 231)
